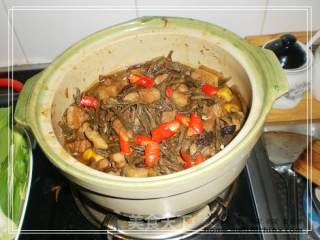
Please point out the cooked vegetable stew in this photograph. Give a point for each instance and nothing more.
(152, 119)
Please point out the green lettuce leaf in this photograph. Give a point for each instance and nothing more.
(20, 172)
(4, 133)
(4, 196)
(4, 147)
(14, 158)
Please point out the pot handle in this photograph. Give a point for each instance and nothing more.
(21, 114)
(276, 77)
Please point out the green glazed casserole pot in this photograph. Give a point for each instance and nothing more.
(256, 73)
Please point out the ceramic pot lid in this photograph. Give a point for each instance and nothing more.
(289, 52)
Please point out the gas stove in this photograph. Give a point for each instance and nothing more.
(56, 210)
(55, 207)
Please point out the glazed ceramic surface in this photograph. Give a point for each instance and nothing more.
(256, 73)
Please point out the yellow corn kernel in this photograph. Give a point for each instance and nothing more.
(87, 154)
(231, 107)
(225, 93)
(90, 154)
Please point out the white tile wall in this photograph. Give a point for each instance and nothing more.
(240, 17)
(17, 57)
(291, 20)
(12, 3)
(44, 34)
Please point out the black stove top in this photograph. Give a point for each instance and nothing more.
(52, 212)
(51, 207)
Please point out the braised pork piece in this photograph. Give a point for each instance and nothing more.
(152, 119)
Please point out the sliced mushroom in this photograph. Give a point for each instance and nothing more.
(130, 171)
(82, 129)
(101, 165)
(122, 83)
(105, 92)
(209, 124)
(76, 116)
(205, 77)
(168, 116)
(180, 99)
(119, 159)
(78, 146)
(132, 97)
(208, 111)
(160, 78)
(208, 151)
(110, 89)
(218, 110)
(182, 88)
(149, 95)
(210, 118)
(95, 138)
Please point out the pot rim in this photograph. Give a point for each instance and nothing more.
(244, 52)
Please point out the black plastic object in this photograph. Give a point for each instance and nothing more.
(290, 54)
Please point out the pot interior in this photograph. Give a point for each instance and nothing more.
(117, 51)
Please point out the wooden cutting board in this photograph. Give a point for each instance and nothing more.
(308, 165)
(303, 110)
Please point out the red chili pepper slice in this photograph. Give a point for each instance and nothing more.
(87, 101)
(199, 159)
(169, 91)
(195, 125)
(188, 161)
(185, 156)
(141, 80)
(182, 119)
(9, 82)
(152, 154)
(142, 140)
(188, 164)
(165, 130)
(209, 89)
(124, 146)
(152, 150)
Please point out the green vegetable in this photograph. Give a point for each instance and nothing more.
(4, 134)
(14, 159)
(4, 117)
(4, 197)
(20, 172)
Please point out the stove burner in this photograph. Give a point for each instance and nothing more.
(120, 227)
